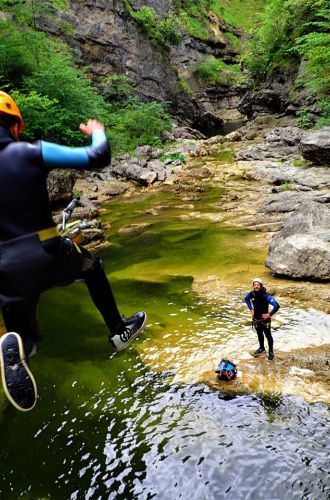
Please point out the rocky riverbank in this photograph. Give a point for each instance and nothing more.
(299, 203)
(287, 202)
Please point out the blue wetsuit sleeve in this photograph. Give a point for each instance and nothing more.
(248, 300)
(97, 155)
(273, 303)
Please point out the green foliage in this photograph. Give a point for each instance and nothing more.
(302, 163)
(26, 12)
(163, 30)
(176, 155)
(315, 48)
(195, 26)
(146, 17)
(36, 110)
(243, 13)
(19, 52)
(116, 86)
(304, 119)
(215, 71)
(55, 96)
(71, 90)
(184, 85)
(137, 124)
(325, 113)
(287, 185)
(233, 40)
(196, 15)
(272, 40)
(169, 30)
(294, 30)
(290, 28)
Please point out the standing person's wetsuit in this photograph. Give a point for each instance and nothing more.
(33, 255)
(258, 301)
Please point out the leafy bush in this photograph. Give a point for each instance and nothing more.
(146, 17)
(116, 87)
(42, 115)
(164, 30)
(304, 119)
(169, 30)
(325, 115)
(315, 48)
(291, 28)
(214, 71)
(290, 31)
(195, 26)
(137, 124)
(55, 96)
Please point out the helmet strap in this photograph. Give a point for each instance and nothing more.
(14, 129)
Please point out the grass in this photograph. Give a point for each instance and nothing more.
(302, 163)
(287, 185)
(214, 71)
(241, 13)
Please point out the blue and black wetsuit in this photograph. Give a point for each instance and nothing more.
(33, 256)
(260, 302)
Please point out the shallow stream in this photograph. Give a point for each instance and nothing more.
(152, 421)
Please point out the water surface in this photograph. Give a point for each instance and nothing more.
(147, 422)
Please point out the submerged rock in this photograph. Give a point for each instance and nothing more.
(133, 229)
(302, 248)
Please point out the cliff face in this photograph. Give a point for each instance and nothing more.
(108, 39)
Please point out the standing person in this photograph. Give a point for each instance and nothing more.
(258, 301)
(33, 255)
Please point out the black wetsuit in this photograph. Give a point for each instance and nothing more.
(33, 258)
(260, 302)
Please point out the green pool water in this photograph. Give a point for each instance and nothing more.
(142, 423)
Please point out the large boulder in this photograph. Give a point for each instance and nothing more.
(315, 146)
(302, 248)
(60, 184)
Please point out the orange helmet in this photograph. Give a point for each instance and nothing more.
(9, 107)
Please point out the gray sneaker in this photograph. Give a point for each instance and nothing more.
(258, 352)
(17, 380)
(271, 356)
(131, 329)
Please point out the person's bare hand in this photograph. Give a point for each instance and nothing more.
(265, 316)
(252, 312)
(91, 126)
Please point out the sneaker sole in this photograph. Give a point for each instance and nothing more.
(133, 336)
(17, 380)
(257, 355)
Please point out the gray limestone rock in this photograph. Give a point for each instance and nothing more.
(302, 248)
(315, 146)
(116, 188)
(148, 177)
(60, 184)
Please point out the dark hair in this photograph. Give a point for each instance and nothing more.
(7, 120)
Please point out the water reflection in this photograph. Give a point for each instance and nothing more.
(152, 421)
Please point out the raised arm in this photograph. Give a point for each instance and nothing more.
(97, 155)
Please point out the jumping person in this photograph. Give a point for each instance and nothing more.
(258, 301)
(33, 255)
